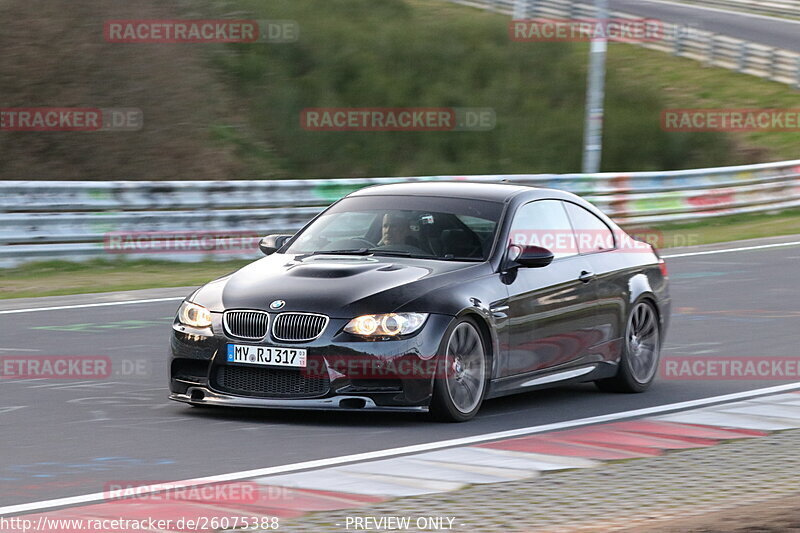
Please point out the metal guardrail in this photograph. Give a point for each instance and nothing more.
(781, 8)
(775, 64)
(73, 220)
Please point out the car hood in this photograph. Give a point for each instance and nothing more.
(338, 286)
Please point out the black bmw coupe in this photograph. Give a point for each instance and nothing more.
(427, 296)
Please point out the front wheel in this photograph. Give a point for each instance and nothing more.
(640, 353)
(461, 379)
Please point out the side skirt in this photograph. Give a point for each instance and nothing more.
(549, 378)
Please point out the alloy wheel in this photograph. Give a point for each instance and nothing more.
(465, 367)
(642, 340)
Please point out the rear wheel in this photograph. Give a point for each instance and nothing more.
(640, 353)
(461, 380)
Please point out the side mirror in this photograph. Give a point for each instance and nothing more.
(272, 243)
(530, 256)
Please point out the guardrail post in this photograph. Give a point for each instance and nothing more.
(519, 10)
(523, 9)
(712, 49)
(678, 45)
(573, 11)
(797, 73)
(773, 59)
(743, 50)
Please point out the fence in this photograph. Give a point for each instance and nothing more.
(71, 220)
(775, 64)
(781, 8)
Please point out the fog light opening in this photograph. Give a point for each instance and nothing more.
(353, 403)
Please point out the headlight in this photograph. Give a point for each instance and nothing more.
(194, 315)
(387, 325)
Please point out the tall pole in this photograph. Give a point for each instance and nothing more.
(595, 95)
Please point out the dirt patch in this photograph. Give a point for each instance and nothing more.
(54, 55)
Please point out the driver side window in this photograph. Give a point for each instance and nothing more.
(544, 223)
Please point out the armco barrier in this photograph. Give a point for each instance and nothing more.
(42, 220)
(780, 8)
(775, 64)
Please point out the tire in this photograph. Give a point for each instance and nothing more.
(640, 352)
(461, 380)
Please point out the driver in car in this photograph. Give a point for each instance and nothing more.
(396, 229)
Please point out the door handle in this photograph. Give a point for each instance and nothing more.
(586, 276)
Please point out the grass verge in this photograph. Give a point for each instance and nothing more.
(685, 83)
(55, 278)
(730, 228)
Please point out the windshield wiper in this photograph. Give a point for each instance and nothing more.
(451, 257)
(357, 251)
(370, 251)
(402, 253)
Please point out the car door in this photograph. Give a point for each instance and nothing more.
(597, 244)
(551, 314)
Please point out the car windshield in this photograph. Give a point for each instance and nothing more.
(414, 226)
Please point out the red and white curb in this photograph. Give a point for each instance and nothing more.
(363, 483)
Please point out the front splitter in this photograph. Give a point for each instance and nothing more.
(204, 396)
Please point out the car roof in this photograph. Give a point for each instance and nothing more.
(497, 192)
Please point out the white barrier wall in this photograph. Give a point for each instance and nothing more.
(42, 220)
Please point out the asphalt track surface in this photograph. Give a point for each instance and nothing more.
(770, 31)
(65, 438)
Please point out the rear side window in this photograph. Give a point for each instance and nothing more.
(544, 223)
(592, 234)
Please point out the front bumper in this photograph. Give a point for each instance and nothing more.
(205, 396)
(198, 361)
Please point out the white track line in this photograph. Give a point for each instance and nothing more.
(729, 250)
(746, 14)
(78, 306)
(176, 298)
(393, 452)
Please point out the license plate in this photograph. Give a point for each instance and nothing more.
(266, 355)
